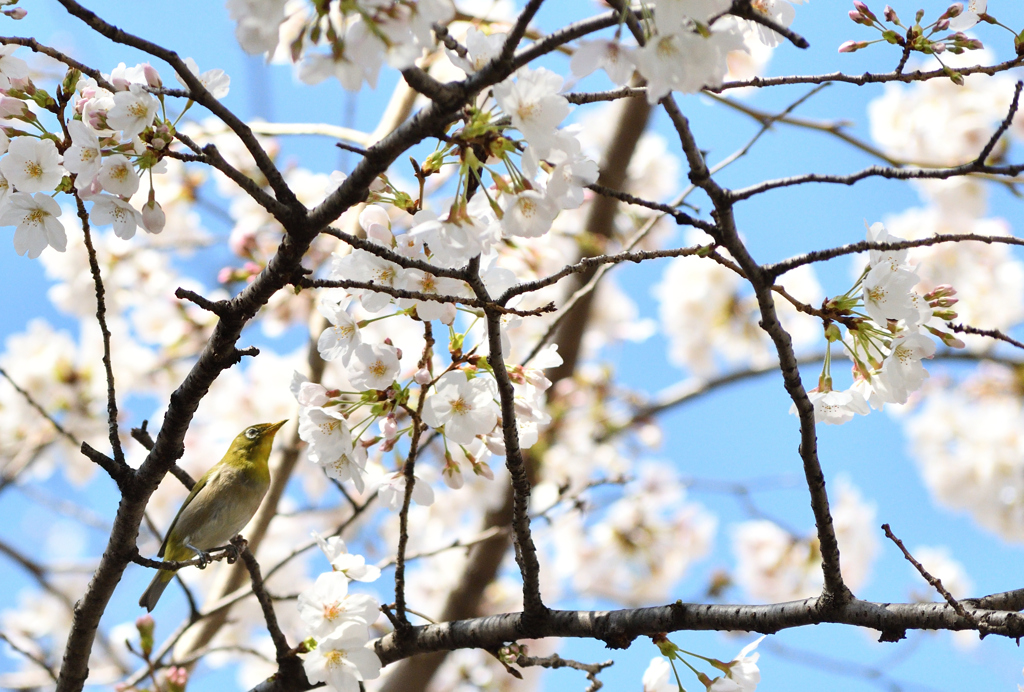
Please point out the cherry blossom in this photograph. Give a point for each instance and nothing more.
(216, 81)
(528, 214)
(342, 660)
(35, 217)
(84, 156)
(464, 407)
(327, 606)
(331, 445)
(423, 282)
(392, 491)
(108, 209)
(481, 48)
(534, 104)
(360, 265)
(118, 176)
(352, 566)
(834, 407)
(341, 338)
(902, 370)
(887, 294)
(609, 55)
(10, 66)
(32, 165)
(969, 16)
(133, 111)
(373, 366)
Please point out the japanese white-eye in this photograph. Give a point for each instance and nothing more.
(221, 503)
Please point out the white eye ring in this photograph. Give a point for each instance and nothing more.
(252, 433)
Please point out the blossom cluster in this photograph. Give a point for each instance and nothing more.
(338, 622)
(114, 137)
(688, 45)
(888, 326)
(741, 674)
(350, 41)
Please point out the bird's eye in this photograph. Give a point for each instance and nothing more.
(252, 433)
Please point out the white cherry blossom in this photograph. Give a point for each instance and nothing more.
(32, 165)
(352, 566)
(481, 49)
(35, 218)
(373, 366)
(528, 214)
(342, 337)
(834, 407)
(887, 294)
(392, 491)
(327, 605)
(534, 104)
(84, 156)
(117, 175)
(424, 282)
(107, 209)
(902, 370)
(464, 407)
(331, 445)
(216, 81)
(133, 111)
(343, 660)
(969, 16)
(610, 55)
(11, 67)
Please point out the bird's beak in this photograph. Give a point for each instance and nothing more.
(275, 427)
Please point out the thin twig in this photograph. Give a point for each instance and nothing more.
(41, 662)
(280, 641)
(101, 319)
(935, 582)
(991, 333)
(34, 45)
(42, 411)
(554, 661)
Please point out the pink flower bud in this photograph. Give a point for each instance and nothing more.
(940, 291)
(226, 275)
(452, 476)
(422, 376)
(152, 76)
(389, 426)
(120, 83)
(11, 107)
(153, 217)
(851, 46)
(955, 10)
(890, 15)
(16, 13)
(942, 25)
(939, 47)
(482, 469)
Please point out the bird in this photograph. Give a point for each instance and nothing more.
(221, 503)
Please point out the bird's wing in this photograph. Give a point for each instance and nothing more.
(200, 484)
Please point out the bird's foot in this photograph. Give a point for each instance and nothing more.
(204, 557)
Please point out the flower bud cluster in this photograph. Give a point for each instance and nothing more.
(918, 38)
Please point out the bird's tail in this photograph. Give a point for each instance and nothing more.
(156, 587)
